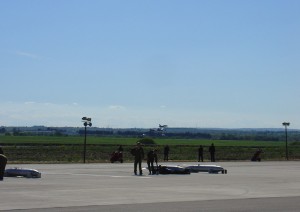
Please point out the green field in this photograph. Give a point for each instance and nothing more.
(127, 141)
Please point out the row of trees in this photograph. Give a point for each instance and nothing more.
(254, 135)
(249, 136)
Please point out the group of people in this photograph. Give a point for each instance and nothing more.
(138, 153)
(211, 150)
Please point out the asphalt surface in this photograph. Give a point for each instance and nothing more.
(248, 186)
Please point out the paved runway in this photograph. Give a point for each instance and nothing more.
(248, 186)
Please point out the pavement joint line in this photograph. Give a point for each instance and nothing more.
(97, 175)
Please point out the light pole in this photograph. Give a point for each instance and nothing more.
(286, 124)
(86, 122)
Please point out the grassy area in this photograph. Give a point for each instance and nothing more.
(127, 141)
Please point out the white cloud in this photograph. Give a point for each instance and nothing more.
(116, 107)
(26, 54)
(35, 113)
(31, 55)
(29, 103)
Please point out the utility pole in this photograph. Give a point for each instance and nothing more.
(86, 122)
(286, 124)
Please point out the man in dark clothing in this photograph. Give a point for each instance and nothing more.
(200, 153)
(138, 153)
(3, 161)
(151, 157)
(166, 153)
(120, 149)
(212, 151)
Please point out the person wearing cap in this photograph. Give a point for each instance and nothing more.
(138, 153)
(151, 157)
(3, 161)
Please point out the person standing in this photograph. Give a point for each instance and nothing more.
(151, 157)
(138, 153)
(212, 151)
(200, 153)
(166, 153)
(3, 161)
(120, 149)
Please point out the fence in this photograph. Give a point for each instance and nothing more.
(101, 153)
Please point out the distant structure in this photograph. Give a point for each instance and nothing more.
(158, 131)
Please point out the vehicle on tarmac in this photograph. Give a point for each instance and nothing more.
(172, 169)
(256, 156)
(20, 172)
(212, 169)
(116, 156)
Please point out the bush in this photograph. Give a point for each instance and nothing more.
(147, 141)
(296, 143)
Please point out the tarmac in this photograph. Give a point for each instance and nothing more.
(248, 186)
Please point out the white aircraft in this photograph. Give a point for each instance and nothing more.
(212, 169)
(177, 169)
(20, 172)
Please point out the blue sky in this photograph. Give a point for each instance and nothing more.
(226, 64)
